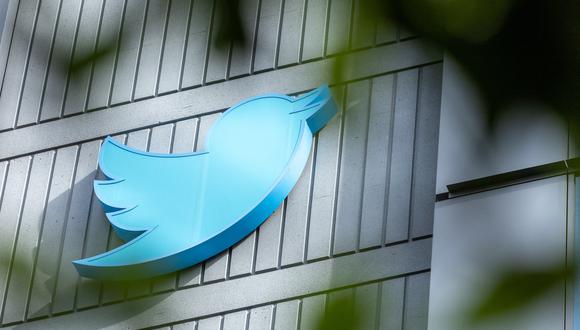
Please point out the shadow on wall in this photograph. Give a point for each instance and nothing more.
(50, 285)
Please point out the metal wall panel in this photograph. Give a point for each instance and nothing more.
(497, 237)
(323, 216)
(129, 51)
(38, 63)
(174, 47)
(104, 67)
(267, 36)
(242, 52)
(339, 24)
(85, 46)
(152, 49)
(62, 50)
(23, 32)
(146, 48)
(366, 191)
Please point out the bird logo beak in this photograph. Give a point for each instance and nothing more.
(316, 107)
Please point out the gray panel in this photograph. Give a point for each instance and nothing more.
(338, 26)
(261, 318)
(399, 196)
(216, 268)
(219, 52)
(350, 187)
(366, 303)
(314, 29)
(268, 27)
(86, 40)
(425, 160)
(197, 43)
(3, 172)
(312, 308)
(392, 304)
(48, 258)
(17, 61)
(213, 323)
(287, 315)
(88, 291)
(10, 213)
(269, 241)
(296, 217)
(291, 32)
(174, 46)
(104, 66)
(56, 80)
(235, 321)
(151, 49)
(190, 276)
(185, 135)
(416, 301)
(7, 36)
(386, 31)
(29, 232)
(242, 260)
(38, 62)
(242, 53)
(324, 187)
(4, 20)
(377, 163)
(363, 33)
(161, 139)
(129, 50)
(185, 326)
(75, 227)
(530, 238)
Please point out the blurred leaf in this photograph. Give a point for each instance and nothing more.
(229, 24)
(340, 314)
(515, 50)
(90, 58)
(516, 289)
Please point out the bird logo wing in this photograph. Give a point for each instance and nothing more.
(147, 198)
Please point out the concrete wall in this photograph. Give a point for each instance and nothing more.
(360, 218)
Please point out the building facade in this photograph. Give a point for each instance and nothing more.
(359, 223)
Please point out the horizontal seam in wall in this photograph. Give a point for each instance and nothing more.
(212, 98)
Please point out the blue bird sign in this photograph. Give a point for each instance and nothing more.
(176, 210)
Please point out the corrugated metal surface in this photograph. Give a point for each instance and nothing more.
(369, 183)
(158, 47)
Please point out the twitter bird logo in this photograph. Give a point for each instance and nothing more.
(177, 210)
